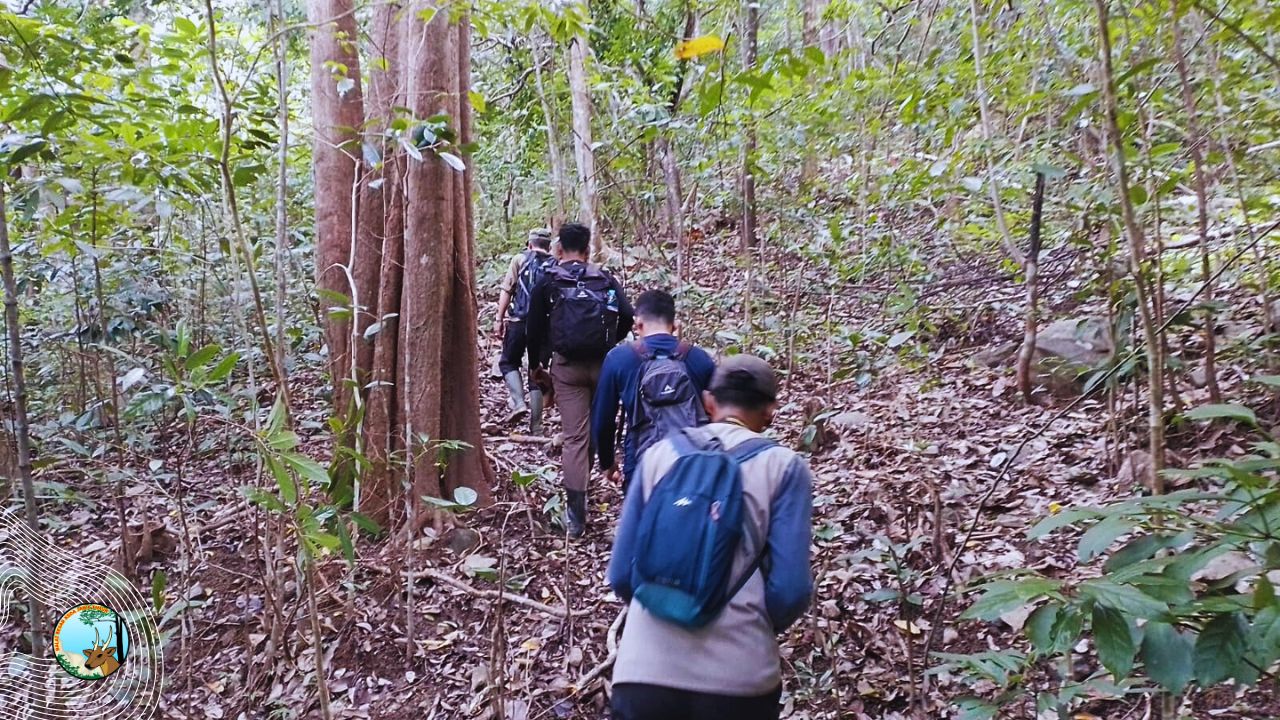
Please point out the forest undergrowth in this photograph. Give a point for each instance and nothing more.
(901, 461)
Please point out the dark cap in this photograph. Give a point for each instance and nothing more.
(746, 373)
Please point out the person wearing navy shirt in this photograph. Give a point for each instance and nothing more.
(655, 320)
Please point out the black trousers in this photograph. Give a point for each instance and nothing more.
(633, 701)
(514, 343)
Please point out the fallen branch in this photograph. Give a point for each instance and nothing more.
(530, 439)
(611, 642)
(495, 594)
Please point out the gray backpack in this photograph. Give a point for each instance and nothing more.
(667, 401)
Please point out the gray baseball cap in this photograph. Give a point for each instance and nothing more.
(746, 372)
(540, 234)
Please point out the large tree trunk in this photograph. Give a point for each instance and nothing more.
(414, 377)
(583, 153)
(382, 420)
(337, 109)
(438, 355)
(750, 23)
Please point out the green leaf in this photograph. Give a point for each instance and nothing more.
(1101, 535)
(310, 470)
(1220, 649)
(1114, 640)
(465, 496)
(1040, 625)
(1223, 411)
(1167, 655)
(1269, 380)
(365, 523)
(284, 481)
(1123, 598)
(263, 499)
(1001, 596)
(1061, 520)
(976, 709)
(201, 357)
(223, 369)
(185, 26)
(159, 580)
(1265, 637)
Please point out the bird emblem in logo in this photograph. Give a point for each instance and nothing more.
(91, 642)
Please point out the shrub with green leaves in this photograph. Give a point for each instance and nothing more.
(1184, 596)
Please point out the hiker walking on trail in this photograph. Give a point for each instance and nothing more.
(658, 379)
(712, 554)
(580, 312)
(524, 274)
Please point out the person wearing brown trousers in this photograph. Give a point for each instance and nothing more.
(581, 312)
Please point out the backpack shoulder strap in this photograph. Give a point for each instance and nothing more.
(642, 350)
(748, 449)
(682, 350)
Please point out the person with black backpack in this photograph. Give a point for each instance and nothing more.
(712, 554)
(659, 380)
(579, 312)
(524, 274)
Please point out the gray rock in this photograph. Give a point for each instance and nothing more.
(1067, 350)
(461, 541)
(852, 420)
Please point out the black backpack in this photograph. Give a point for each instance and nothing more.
(584, 312)
(535, 267)
(666, 399)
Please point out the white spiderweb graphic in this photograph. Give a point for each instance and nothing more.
(38, 688)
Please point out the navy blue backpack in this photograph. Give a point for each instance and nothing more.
(689, 532)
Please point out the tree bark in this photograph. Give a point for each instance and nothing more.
(583, 153)
(21, 427)
(675, 215)
(438, 355)
(1137, 254)
(809, 37)
(1032, 271)
(749, 24)
(337, 110)
(1195, 139)
(553, 138)
(420, 394)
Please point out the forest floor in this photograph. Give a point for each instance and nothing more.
(904, 462)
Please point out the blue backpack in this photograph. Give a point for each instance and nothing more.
(689, 532)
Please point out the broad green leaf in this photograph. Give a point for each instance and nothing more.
(1123, 598)
(1223, 412)
(201, 357)
(310, 470)
(1114, 640)
(976, 709)
(1101, 535)
(365, 523)
(224, 367)
(1269, 380)
(1040, 625)
(1220, 649)
(1167, 655)
(1001, 596)
(284, 481)
(1061, 520)
(1264, 637)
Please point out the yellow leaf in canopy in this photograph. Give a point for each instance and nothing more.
(698, 46)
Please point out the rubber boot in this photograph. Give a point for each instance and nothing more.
(515, 386)
(575, 513)
(535, 412)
